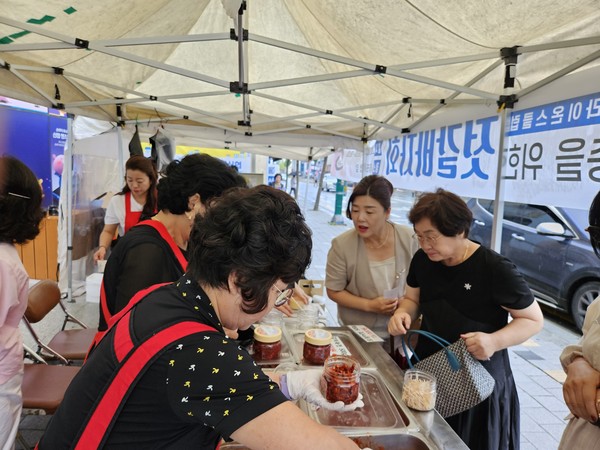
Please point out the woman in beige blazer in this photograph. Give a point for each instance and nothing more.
(367, 266)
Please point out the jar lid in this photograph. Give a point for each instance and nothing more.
(318, 336)
(267, 333)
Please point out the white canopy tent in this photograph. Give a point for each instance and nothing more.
(308, 76)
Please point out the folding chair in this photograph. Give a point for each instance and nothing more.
(43, 387)
(66, 345)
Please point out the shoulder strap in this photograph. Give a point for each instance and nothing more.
(106, 411)
(131, 217)
(112, 320)
(162, 230)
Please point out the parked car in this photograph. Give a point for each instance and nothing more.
(329, 182)
(550, 247)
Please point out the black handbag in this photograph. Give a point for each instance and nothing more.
(462, 381)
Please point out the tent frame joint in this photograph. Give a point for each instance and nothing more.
(236, 87)
(58, 70)
(405, 130)
(507, 101)
(234, 37)
(379, 68)
(82, 43)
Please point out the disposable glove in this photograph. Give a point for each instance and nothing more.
(305, 384)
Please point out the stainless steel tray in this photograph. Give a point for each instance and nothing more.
(380, 412)
(346, 340)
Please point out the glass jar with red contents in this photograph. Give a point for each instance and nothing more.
(341, 379)
(267, 342)
(317, 346)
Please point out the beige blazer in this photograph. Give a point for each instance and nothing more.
(348, 269)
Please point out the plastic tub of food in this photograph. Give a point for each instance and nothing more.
(419, 390)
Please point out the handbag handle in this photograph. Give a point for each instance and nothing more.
(452, 360)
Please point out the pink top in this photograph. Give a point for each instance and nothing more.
(14, 289)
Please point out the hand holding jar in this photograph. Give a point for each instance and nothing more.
(306, 384)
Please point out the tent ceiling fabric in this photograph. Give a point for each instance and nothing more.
(310, 65)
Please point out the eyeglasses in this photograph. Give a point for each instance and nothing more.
(284, 296)
(431, 240)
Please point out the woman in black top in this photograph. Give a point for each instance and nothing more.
(466, 291)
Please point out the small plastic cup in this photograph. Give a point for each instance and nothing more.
(419, 390)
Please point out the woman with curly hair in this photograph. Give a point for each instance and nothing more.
(20, 217)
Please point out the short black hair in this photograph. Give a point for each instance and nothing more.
(197, 173)
(446, 211)
(258, 234)
(375, 186)
(20, 202)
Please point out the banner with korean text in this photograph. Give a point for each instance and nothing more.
(551, 156)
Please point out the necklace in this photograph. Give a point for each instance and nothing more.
(375, 247)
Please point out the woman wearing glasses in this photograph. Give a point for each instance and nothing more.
(581, 362)
(245, 253)
(466, 291)
(20, 217)
(367, 266)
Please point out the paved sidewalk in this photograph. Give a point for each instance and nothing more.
(535, 363)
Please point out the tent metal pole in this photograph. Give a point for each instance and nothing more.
(496, 241)
(68, 176)
(125, 42)
(242, 65)
(576, 65)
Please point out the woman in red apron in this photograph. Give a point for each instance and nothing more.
(137, 200)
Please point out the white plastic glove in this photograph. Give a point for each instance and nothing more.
(305, 384)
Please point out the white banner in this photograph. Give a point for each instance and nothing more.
(551, 156)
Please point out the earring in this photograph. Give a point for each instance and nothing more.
(190, 215)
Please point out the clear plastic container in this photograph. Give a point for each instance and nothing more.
(317, 346)
(267, 343)
(419, 390)
(341, 379)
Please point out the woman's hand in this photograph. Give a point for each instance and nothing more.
(299, 297)
(579, 389)
(100, 253)
(480, 345)
(382, 305)
(399, 323)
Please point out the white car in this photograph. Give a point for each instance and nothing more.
(329, 183)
